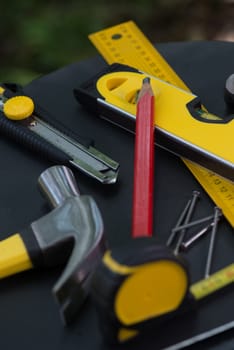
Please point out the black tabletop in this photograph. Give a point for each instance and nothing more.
(29, 314)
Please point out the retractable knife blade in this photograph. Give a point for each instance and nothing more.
(26, 122)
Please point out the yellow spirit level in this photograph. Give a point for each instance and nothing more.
(125, 43)
(183, 126)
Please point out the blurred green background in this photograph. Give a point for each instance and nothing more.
(38, 37)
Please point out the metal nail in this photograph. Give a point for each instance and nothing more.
(193, 223)
(188, 243)
(196, 195)
(179, 222)
(217, 212)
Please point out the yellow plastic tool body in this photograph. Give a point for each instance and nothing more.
(151, 289)
(172, 114)
(125, 43)
(145, 291)
(137, 299)
(14, 257)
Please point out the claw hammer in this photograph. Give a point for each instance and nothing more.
(72, 232)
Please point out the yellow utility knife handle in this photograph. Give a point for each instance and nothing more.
(14, 257)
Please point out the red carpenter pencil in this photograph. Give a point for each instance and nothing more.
(142, 210)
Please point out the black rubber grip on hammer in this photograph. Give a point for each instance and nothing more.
(32, 246)
(32, 141)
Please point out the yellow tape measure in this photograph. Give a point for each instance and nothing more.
(215, 282)
(126, 44)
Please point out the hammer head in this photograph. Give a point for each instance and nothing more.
(72, 232)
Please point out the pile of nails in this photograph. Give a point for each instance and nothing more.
(178, 233)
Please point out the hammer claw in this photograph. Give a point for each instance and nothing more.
(73, 286)
(76, 219)
(71, 233)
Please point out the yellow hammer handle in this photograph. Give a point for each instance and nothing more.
(14, 257)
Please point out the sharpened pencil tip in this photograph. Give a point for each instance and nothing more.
(146, 88)
(146, 80)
